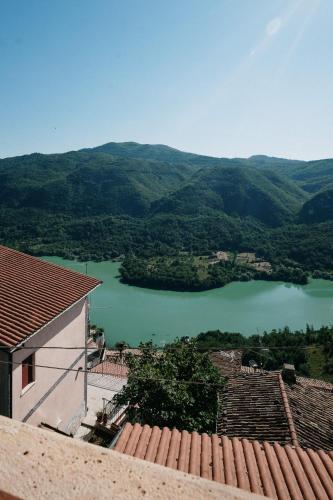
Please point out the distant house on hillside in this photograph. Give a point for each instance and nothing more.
(43, 319)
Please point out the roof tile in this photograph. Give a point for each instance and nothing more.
(260, 405)
(33, 292)
(271, 470)
(252, 407)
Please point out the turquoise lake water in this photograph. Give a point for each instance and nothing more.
(134, 314)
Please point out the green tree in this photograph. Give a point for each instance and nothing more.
(160, 389)
(121, 346)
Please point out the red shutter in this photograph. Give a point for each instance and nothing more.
(27, 371)
(25, 374)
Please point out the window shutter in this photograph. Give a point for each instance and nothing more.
(25, 373)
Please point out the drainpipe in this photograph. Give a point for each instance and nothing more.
(85, 358)
(10, 385)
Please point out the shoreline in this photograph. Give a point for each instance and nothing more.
(157, 287)
(138, 284)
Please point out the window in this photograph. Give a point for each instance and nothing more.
(28, 371)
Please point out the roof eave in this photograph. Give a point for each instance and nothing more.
(17, 346)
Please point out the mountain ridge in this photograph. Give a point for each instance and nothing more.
(151, 200)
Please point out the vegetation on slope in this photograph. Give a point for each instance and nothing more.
(238, 192)
(81, 184)
(319, 208)
(157, 152)
(311, 351)
(311, 176)
(122, 199)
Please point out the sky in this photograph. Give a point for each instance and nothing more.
(228, 78)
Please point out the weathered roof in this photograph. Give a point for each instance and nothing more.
(312, 413)
(313, 382)
(252, 407)
(33, 292)
(227, 362)
(250, 369)
(271, 470)
(304, 381)
(107, 367)
(260, 405)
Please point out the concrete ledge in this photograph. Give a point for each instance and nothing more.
(35, 463)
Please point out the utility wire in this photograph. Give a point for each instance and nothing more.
(152, 379)
(159, 349)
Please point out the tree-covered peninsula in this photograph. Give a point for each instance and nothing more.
(184, 272)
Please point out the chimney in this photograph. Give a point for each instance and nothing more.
(289, 373)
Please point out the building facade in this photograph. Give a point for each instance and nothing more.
(43, 331)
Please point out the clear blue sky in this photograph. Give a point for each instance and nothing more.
(219, 77)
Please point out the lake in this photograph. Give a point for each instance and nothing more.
(134, 314)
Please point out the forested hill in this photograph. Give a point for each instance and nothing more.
(157, 152)
(236, 191)
(123, 198)
(312, 176)
(319, 208)
(82, 184)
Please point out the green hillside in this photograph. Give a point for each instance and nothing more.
(236, 191)
(147, 200)
(89, 183)
(319, 208)
(311, 176)
(83, 184)
(157, 152)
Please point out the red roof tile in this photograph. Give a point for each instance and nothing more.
(109, 368)
(33, 292)
(227, 362)
(271, 470)
(313, 382)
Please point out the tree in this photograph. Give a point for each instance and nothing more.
(121, 346)
(160, 389)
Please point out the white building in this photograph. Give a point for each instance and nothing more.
(43, 330)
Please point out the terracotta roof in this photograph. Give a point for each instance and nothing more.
(313, 382)
(33, 292)
(129, 350)
(260, 405)
(227, 362)
(304, 381)
(110, 368)
(252, 407)
(250, 369)
(312, 413)
(271, 470)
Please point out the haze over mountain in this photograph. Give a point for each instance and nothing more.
(122, 197)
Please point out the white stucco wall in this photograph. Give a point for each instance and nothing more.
(53, 398)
